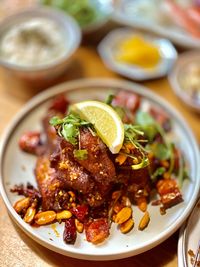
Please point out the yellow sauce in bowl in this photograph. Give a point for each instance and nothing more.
(137, 51)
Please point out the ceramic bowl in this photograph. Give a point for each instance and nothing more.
(51, 70)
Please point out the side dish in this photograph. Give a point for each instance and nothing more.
(89, 184)
(138, 51)
(29, 43)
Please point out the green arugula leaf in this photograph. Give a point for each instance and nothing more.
(80, 154)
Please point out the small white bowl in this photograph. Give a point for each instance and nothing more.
(179, 71)
(51, 70)
(107, 51)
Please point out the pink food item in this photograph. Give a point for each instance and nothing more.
(181, 17)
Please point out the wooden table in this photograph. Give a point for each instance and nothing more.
(17, 249)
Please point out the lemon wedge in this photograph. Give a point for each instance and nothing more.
(106, 122)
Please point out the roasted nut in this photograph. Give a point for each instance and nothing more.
(29, 216)
(65, 214)
(22, 204)
(72, 196)
(79, 226)
(126, 226)
(142, 204)
(144, 221)
(123, 215)
(45, 217)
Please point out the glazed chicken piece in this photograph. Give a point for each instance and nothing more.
(53, 183)
(98, 166)
(98, 162)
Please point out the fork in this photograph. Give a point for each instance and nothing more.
(197, 256)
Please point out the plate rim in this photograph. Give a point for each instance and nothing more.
(96, 82)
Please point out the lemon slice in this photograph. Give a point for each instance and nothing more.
(106, 122)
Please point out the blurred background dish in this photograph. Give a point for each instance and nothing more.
(179, 21)
(90, 14)
(137, 56)
(185, 79)
(38, 43)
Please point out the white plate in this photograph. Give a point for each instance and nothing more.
(128, 12)
(189, 237)
(108, 51)
(117, 245)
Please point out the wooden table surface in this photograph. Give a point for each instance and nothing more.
(16, 248)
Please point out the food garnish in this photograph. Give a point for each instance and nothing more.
(94, 166)
(105, 120)
(138, 51)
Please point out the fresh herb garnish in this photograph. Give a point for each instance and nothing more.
(109, 99)
(68, 127)
(147, 123)
(163, 151)
(80, 154)
(160, 151)
(133, 134)
(158, 172)
(120, 111)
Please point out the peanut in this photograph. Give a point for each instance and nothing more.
(72, 196)
(21, 204)
(29, 216)
(126, 226)
(123, 215)
(144, 221)
(65, 214)
(45, 217)
(79, 226)
(142, 204)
